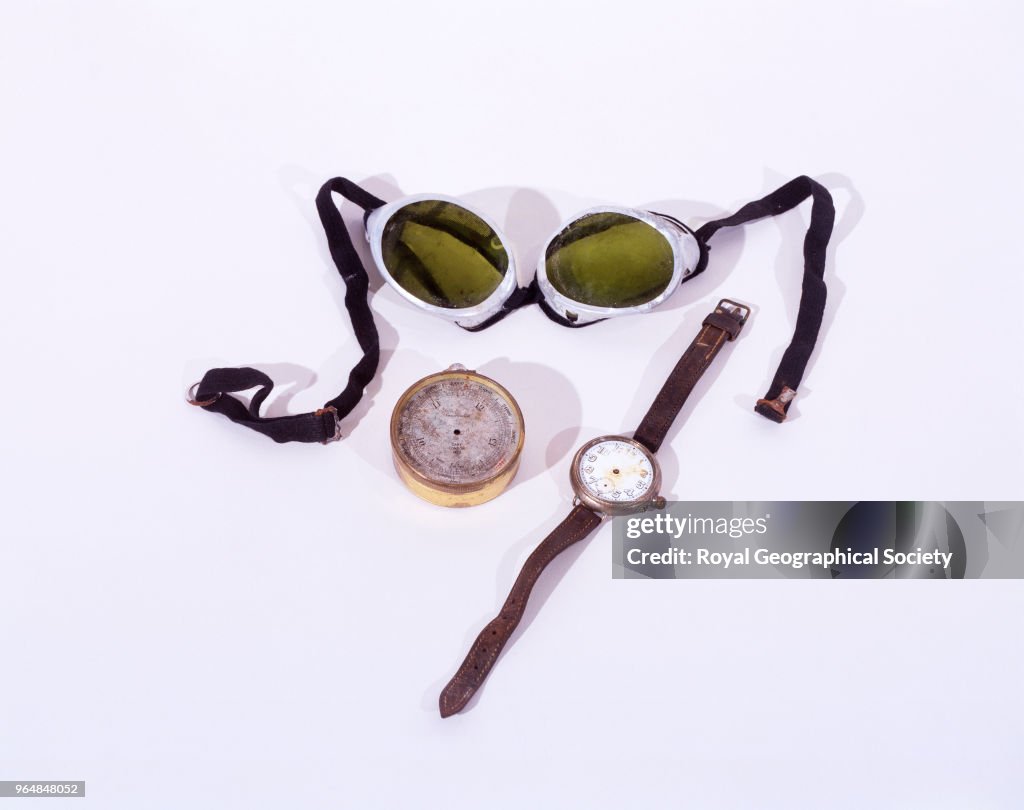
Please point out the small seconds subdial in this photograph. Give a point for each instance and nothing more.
(616, 471)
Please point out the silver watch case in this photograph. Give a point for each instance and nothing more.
(652, 499)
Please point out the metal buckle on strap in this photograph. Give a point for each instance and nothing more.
(190, 397)
(734, 308)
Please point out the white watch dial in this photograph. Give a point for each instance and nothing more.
(616, 471)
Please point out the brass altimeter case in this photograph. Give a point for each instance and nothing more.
(456, 437)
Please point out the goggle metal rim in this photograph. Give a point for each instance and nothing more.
(464, 316)
(685, 255)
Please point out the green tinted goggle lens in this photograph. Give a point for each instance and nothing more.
(609, 260)
(443, 254)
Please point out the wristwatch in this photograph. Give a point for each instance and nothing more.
(611, 475)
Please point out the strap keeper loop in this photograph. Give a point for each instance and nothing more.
(729, 316)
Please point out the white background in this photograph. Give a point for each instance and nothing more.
(193, 616)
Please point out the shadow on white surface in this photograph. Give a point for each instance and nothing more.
(289, 379)
(549, 401)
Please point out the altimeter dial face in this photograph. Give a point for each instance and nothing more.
(457, 428)
(615, 472)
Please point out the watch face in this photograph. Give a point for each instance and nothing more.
(615, 474)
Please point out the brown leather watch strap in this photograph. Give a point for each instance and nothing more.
(720, 326)
(493, 638)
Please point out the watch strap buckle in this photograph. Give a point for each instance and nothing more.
(729, 316)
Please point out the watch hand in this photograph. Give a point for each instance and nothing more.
(493, 638)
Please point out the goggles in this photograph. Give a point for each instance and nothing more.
(452, 261)
(449, 260)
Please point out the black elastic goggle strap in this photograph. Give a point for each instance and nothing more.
(212, 393)
(775, 404)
